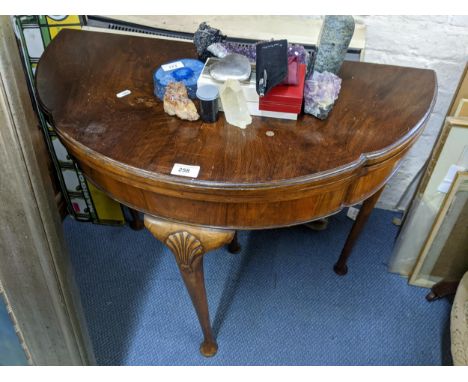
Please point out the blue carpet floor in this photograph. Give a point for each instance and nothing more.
(11, 352)
(278, 302)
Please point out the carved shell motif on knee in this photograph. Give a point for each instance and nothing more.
(186, 247)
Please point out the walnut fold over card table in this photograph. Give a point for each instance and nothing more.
(300, 171)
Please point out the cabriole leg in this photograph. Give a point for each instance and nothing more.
(189, 244)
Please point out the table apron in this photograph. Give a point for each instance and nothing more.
(274, 209)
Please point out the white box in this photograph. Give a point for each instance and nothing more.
(255, 111)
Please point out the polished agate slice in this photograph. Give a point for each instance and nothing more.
(234, 66)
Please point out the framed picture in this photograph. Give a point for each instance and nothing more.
(444, 255)
(451, 150)
(461, 92)
(462, 109)
(426, 201)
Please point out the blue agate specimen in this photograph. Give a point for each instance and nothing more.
(185, 70)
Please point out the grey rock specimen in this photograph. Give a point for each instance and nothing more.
(334, 39)
(204, 37)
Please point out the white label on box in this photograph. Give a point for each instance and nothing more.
(447, 182)
(172, 66)
(123, 93)
(352, 213)
(185, 170)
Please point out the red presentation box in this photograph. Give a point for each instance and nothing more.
(285, 98)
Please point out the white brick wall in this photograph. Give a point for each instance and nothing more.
(435, 42)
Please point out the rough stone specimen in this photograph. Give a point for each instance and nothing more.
(204, 37)
(320, 93)
(177, 102)
(334, 39)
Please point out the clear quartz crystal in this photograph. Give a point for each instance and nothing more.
(234, 104)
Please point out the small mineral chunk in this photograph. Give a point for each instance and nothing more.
(218, 50)
(321, 91)
(204, 37)
(177, 102)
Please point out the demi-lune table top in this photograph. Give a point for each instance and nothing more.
(79, 75)
(248, 179)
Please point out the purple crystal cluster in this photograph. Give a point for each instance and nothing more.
(299, 52)
(320, 93)
(249, 51)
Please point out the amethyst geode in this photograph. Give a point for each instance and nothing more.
(320, 93)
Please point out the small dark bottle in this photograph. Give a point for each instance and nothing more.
(208, 96)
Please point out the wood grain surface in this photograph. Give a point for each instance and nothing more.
(308, 169)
